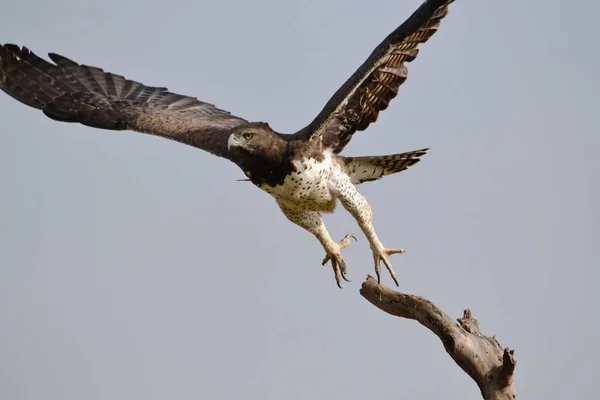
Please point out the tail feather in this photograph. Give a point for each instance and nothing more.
(365, 169)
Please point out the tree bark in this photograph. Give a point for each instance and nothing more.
(480, 356)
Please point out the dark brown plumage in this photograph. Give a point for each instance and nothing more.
(372, 87)
(69, 92)
(303, 171)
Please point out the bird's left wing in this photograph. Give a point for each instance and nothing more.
(371, 88)
(70, 92)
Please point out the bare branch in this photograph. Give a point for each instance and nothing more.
(480, 356)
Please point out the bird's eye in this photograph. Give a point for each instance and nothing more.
(248, 136)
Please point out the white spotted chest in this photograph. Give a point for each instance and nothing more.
(310, 188)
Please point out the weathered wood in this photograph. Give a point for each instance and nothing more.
(481, 357)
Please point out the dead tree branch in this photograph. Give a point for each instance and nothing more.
(480, 356)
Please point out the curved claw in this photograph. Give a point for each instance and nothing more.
(345, 242)
(395, 281)
(384, 255)
(344, 277)
(339, 268)
(351, 236)
(336, 272)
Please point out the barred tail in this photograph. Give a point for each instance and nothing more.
(364, 169)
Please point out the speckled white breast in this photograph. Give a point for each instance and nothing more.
(308, 189)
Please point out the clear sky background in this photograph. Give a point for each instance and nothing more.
(132, 267)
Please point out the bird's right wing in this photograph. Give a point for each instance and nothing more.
(69, 92)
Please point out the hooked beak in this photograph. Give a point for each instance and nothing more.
(232, 142)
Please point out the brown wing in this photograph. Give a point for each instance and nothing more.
(69, 92)
(371, 88)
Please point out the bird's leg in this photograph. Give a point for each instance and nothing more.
(357, 205)
(312, 222)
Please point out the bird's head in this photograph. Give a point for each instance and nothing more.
(256, 139)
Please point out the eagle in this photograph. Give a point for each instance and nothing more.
(304, 171)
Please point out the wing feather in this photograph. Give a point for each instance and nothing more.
(69, 92)
(372, 87)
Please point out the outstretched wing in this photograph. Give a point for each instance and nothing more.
(69, 92)
(371, 88)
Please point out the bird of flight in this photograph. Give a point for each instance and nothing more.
(303, 171)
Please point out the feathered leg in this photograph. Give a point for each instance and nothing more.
(357, 205)
(312, 222)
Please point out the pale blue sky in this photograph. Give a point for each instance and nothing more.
(132, 267)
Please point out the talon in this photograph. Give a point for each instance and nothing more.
(336, 272)
(378, 271)
(344, 277)
(345, 242)
(383, 254)
(337, 262)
